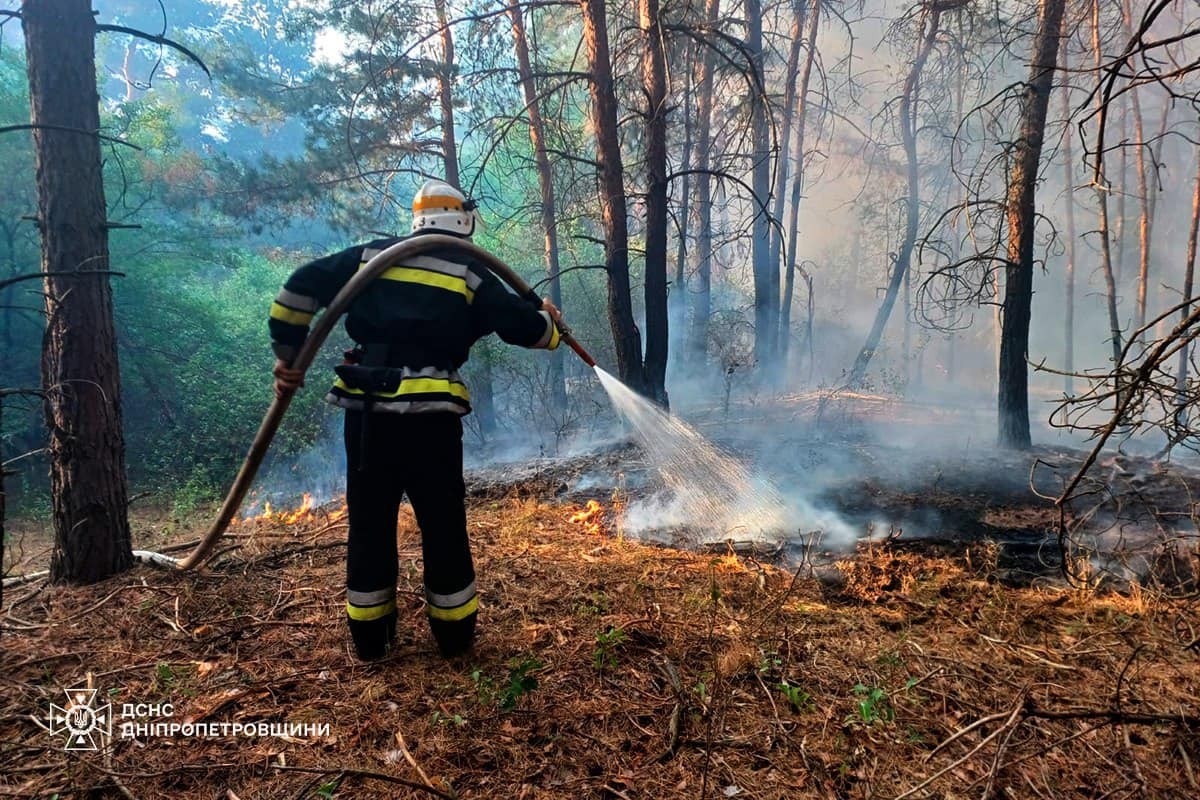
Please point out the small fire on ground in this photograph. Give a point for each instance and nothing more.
(591, 517)
(303, 512)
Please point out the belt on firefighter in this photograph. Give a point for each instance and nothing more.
(400, 354)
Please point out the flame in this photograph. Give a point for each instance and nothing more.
(305, 506)
(590, 516)
(339, 514)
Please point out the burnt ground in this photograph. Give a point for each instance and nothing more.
(935, 492)
(942, 661)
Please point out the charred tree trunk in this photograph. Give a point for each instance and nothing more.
(908, 132)
(797, 185)
(654, 83)
(537, 135)
(702, 306)
(766, 275)
(1020, 212)
(1069, 310)
(79, 361)
(626, 338)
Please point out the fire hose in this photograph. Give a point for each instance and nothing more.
(308, 351)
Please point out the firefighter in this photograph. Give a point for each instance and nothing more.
(404, 401)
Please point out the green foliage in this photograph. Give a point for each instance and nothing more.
(799, 699)
(518, 683)
(165, 677)
(607, 643)
(873, 705)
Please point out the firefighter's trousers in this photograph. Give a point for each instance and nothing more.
(419, 455)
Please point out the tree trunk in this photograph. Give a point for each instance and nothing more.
(677, 298)
(766, 275)
(797, 184)
(702, 307)
(1103, 228)
(537, 135)
(1189, 270)
(654, 84)
(908, 132)
(1069, 310)
(1020, 207)
(79, 362)
(1139, 160)
(626, 338)
(791, 72)
(483, 397)
(446, 96)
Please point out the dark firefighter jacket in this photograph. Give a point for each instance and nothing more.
(416, 324)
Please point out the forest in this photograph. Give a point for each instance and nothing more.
(883, 484)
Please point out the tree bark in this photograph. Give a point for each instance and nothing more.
(677, 297)
(908, 132)
(1013, 392)
(791, 72)
(797, 184)
(654, 84)
(1103, 227)
(1069, 310)
(446, 95)
(1139, 160)
(79, 362)
(626, 338)
(537, 136)
(702, 306)
(766, 275)
(1189, 271)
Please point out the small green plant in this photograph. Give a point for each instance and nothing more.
(484, 686)
(701, 690)
(797, 698)
(873, 705)
(520, 682)
(326, 791)
(594, 605)
(439, 718)
(771, 662)
(889, 660)
(165, 675)
(607, 642)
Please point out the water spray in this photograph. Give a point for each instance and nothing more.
(308, 351)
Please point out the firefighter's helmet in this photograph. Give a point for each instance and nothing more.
(438, 206)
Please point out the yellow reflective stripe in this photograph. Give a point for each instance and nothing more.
(371, 612)
(289, 315)
(415, 386)
(554, 337)
(454, 614)
(426, 278)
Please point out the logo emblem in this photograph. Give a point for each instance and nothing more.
(81, 719)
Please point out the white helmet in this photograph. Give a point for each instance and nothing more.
(438, 206)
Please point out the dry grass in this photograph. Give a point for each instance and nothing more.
(660, 674)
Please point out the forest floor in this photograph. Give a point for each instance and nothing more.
(605, 668)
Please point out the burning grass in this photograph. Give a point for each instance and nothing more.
(609, 668)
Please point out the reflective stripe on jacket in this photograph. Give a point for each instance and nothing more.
(430, 308)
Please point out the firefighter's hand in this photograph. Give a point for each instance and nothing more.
(552, 309)
(286, 379)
